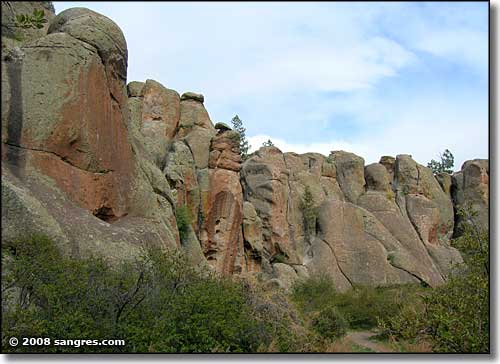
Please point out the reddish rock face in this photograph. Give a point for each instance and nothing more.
(224, 151)
(71, 124)
(222, 205)
(160, 110)
(154, 114)
(224, 217)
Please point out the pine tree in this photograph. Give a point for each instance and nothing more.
(269, 143)
(244, 145)
(445, 165)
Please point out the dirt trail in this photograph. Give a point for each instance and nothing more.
(362, 338)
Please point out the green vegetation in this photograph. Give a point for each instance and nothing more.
(444, 165)
(455, 316)
(160, 303)
(156, 304)
(184, 221)
(244, 145)
(361, 307)
(329, 323)
(279, 258)
(309, 213)
(36, 20)
(269, 143)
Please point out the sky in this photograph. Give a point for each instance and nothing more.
(379, 78)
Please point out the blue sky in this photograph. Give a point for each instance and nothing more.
(374, 79)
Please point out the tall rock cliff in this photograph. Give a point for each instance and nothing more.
(103, 167)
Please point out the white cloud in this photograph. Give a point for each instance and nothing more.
(323, 76)
(422, 134)
(457, 45)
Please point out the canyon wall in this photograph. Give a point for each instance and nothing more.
(103, 167)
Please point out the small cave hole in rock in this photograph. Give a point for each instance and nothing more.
(105, 214)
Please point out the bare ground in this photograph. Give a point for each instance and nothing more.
(362, 338)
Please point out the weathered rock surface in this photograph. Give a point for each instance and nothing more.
(252, 237)
(470, 189)
(66, 127)
(361, 253)
(377, 178)
(11, 33)
(102, 167)
(196, 129)
(75, 133)
(350, 174)
(156, 111)
(224, 151)
(222, 206)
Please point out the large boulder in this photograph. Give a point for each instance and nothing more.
(350, 174)
(102, 34)
(155, 113)
(265, 183)
(360, 248)
(275, 184)
(377, 178)
(470, 190)
(196, 128)
(412, 179)
(225, 151)
(76, 133)
(66, 140)
(180, 172)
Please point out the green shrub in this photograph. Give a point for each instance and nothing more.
(37, 20)
(330, 324)
(158, 303)
(314, 293)
(364, 306)
(184, 221)
(309, 213)
(279, 258)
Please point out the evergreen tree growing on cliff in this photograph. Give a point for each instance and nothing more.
(309, 213)
(244, 145)
(269, 143)
(445, 165)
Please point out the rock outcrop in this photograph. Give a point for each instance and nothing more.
(65, 125)
(470, 189)
(103, 167)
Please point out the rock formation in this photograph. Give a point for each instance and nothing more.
(102, 167)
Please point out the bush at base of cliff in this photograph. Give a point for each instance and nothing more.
(455, 316)
(362, 307)
(330, 324)
(156, 304)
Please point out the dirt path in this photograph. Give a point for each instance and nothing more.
(362, 338)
